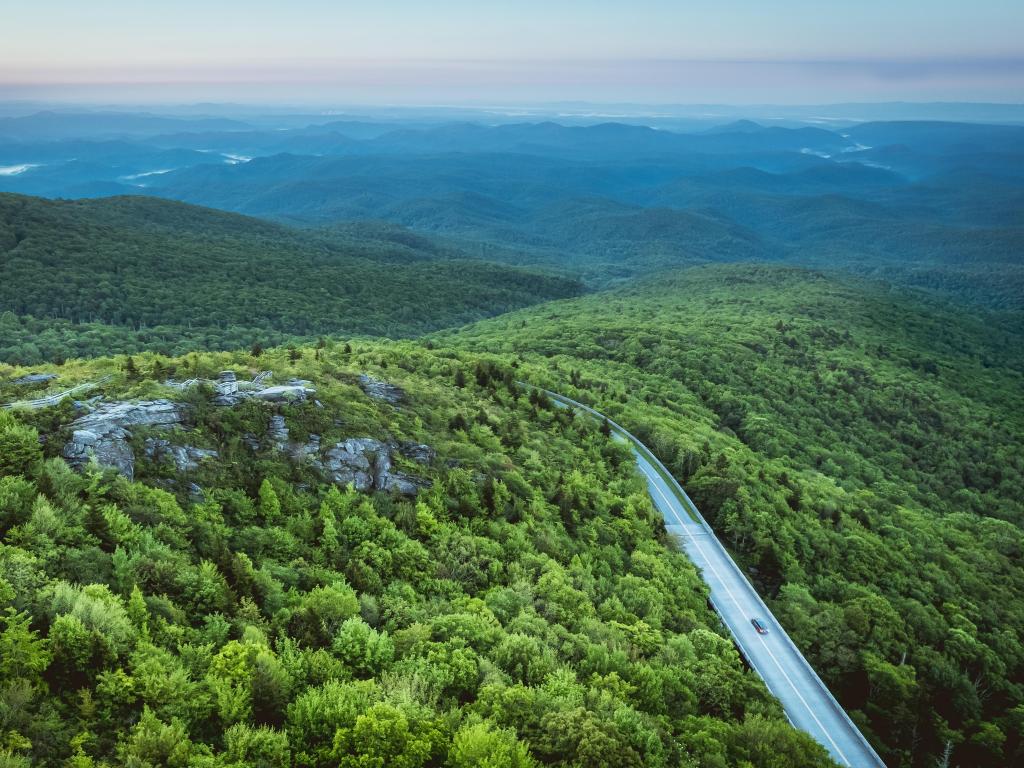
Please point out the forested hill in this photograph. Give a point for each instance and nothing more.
(857, 448)
(146, 273)
(931, 205)
(446, 574)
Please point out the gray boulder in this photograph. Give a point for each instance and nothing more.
(103, 433)
(229, 399)
(381, 390)
(366, 464)
(406, 485)
(109, 449)
(352, 461)
(149, 413)
(277, 430)
(421, 454)
(196, 493)
(288, 393)
(186, 458)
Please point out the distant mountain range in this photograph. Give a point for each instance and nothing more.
(927, 203)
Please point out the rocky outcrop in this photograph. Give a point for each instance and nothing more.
(286, 393)
(351, 461)
(277, 430)
(381, 390)
(227, 382)
(186, 458)
(304, 451)
(104, 433)
(109, 449)
(387, 479)
(366, 464)
(421, 454)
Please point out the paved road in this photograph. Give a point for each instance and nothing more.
(791, 679)
(45, 402)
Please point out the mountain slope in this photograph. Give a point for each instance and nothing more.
(922, 203)
(514, 603)
(139, 263)
(859, 451)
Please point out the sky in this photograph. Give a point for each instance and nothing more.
(417, 51)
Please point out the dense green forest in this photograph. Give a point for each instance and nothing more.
(859, 451)
(925, 204)
(611, 218)
(524, 609)
(494, 588)
(98, 277)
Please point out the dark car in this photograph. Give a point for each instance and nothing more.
(759, 626)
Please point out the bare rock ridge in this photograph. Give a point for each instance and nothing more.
(381, 390)
(366, 464)
(103, 435)
(230, 391)
(186, 458)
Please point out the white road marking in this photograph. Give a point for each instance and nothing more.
(725, 585)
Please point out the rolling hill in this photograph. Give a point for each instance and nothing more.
(858, 447)
(140, 272)
(928, 204)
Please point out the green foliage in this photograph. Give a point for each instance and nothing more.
(98, 277)
(20, 453)
(365, 651)
(22, 653)
(257, 747)
(857, 449)
(522, 610)
(153, 744)
(483, 746)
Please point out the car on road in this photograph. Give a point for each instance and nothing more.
(759, 626)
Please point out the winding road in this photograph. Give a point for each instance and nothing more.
(773, 656)
(48, 400)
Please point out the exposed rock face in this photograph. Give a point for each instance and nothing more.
(103, 434)
(227, 382)
(186, 458)
(110, 449)
(303, 451)
(386, 479)
(277, 430)
(366, 464)
(288, 393)
(231, 398)
(352, 462)
(196, 494)
(421, 454)
(87, 405)
(381, 390)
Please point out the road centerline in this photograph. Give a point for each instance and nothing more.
(739, 609)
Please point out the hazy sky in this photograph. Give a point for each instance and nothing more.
(658, 50)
